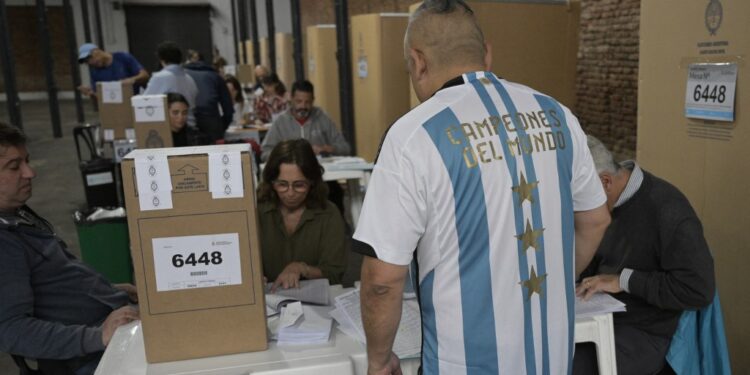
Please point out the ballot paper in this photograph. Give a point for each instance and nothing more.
(408, 342)
(310, 291)
(598, 304)
(313, 326)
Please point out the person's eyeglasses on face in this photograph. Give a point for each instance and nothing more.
(299, 186)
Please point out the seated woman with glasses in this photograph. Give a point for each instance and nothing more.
(302, 234)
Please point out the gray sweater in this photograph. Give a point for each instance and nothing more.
(318, 130)
(51, 304)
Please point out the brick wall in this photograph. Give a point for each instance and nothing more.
(607, 77)
(24, 36)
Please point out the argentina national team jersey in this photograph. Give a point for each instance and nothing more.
(482, 180)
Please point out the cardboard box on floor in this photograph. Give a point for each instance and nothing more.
(197, 264)
(706, 160)
(115, 113)
(151, 121)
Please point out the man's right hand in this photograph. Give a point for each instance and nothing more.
(123, 315)
(85, 90)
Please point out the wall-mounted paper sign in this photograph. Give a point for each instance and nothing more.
(111, 92)
(149, 108)
(710, 91)
(191, 262)
(154, 182)
(230, 69)
(225, 175)
(362, 67)
(311, 64)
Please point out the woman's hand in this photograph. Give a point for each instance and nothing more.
(289, 277)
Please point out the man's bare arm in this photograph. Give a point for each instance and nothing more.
(589, 228)
(141, 77)
(381, 298)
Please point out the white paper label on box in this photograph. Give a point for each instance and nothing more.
(149, 108)
(230, 69)
(225, 175)
(96, 179)
(191, 262)
(111, 92)
(130, 133)
(311, 64)
(710, 91)
(122, 147)
(109, 135)
(154, 182)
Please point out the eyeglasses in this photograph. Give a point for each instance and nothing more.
(300, 186)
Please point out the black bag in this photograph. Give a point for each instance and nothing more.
(98, 173)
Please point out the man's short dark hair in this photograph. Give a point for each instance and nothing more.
(444, 6)
(11, 136)
(304, 86)
(169, 52)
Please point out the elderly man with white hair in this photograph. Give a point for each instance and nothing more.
(653, 257)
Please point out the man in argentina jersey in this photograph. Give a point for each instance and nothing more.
(491, 187)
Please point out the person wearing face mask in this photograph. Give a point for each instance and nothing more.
(302, 234)
(304, 120)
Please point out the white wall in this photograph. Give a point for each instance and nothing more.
(282, 15)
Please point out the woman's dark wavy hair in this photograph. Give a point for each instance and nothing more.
(232, 80)
(300, 153)
(273, 80)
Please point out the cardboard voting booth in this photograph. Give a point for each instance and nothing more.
(381, 81)
(322, 69)
(694, 131)
(151, 121)
(115, 114)
(196, 252)
(285, 59)
(534, 43)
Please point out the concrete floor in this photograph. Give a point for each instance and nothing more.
(58, 187)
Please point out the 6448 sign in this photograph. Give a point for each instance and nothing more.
(179, 260)
(709, 94)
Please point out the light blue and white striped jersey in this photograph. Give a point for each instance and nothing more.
(482, 180)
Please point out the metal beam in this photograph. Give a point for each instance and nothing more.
(271, 35)
(344, 56)
(239, 51)
(86, 21)
(70, 33)
(45, 49)
(9, 70)
(98, 19)
(299, 62)
(254, 31)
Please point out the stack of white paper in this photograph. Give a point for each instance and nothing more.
(598, 304)
(312, 327)
(310, 291)
(408, 341)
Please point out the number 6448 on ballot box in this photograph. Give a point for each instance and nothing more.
(196, 251)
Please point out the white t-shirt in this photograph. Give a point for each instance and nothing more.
(482, 180)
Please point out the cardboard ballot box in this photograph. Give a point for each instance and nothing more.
(115, 114)
(151, 121)
(196, 251)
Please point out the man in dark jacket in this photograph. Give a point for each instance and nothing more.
(212, 94)
(54, 308)
(653, 257)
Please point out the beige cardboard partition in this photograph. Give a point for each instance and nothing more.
(151, 121)
(381, 81)
(285, 59)
(533, 43)
(250, 60)
(323, 69)
(246, 74)
(115, 112)
(264, 57)
(197, 264)
(707, 160)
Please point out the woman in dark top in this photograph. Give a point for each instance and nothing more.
(177, 108)
(302, 233)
